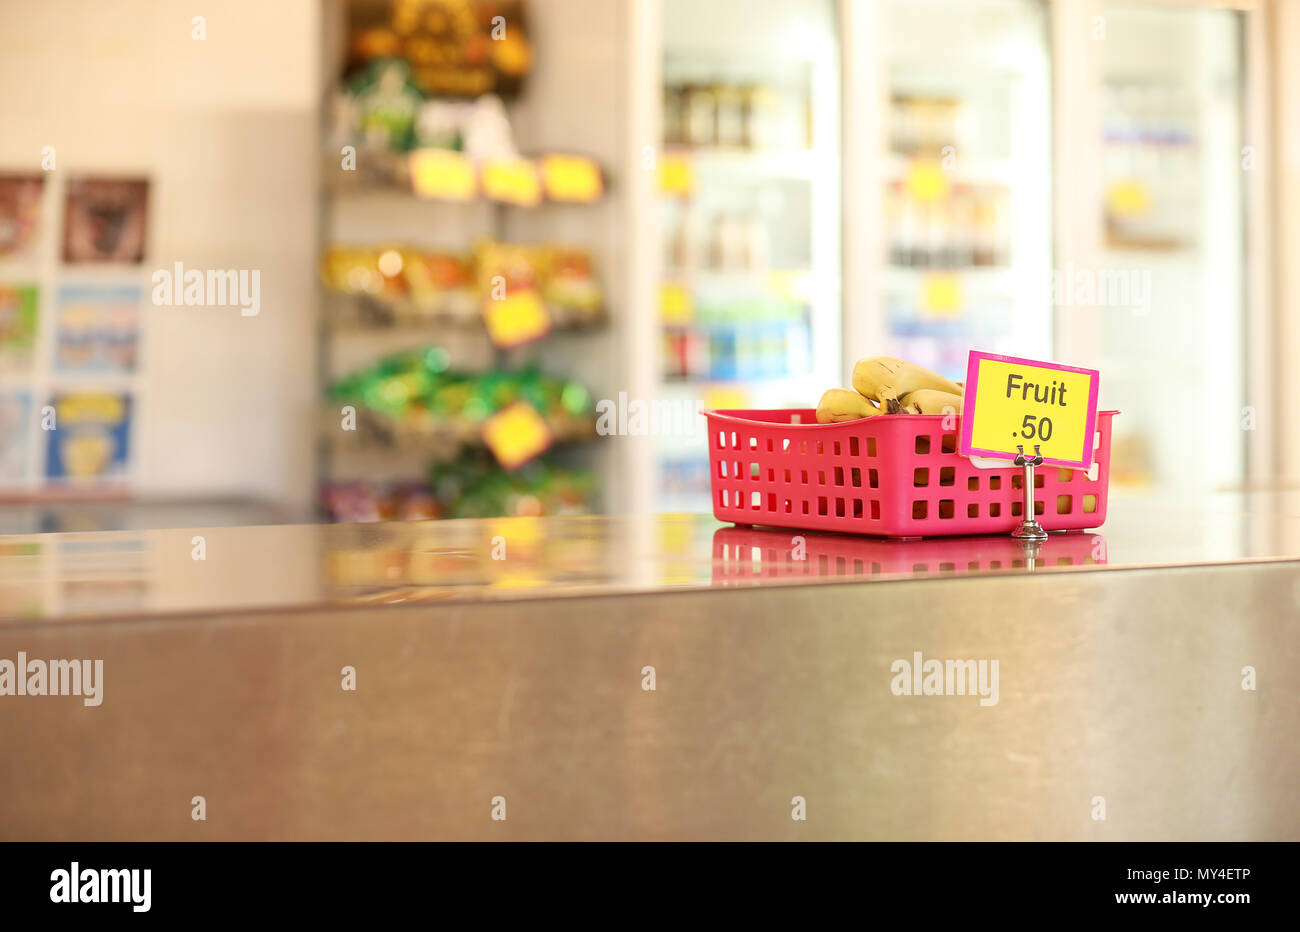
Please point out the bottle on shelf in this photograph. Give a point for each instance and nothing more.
(729, 102)
(700, 112)
(673, 115)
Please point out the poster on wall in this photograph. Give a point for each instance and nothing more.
(15, 433)
(105, 220)
(17, 326)
(20, 216)
(91, 437)
(97, 327)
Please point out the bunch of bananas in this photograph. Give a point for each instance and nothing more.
(885, 385)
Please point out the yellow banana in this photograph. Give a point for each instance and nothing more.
(840, 404)
(884, 379)
(930, 401)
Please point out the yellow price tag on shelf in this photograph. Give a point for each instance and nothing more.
(941, 294)
(675, 303)
(442, 174)
(516, 434)
(574, 179)
(927, 181)
(518, 318)
(1017, 405)
(676, 175)
(512, 181)
(1128, 199)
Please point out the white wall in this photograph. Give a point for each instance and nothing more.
(578, 99)
(226, 130)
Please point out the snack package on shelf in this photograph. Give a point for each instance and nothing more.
(507, 265)
(441, 285)
(569, 286)
(445, 149)
(414, 400)
(387, 105)
(402, 286)
(454, 48)
(405, 285)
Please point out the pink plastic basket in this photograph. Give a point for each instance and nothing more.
(896, 475)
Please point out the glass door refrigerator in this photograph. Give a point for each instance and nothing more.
(748, 218)
(966, 177)
(1173, 163)
(1068, 179)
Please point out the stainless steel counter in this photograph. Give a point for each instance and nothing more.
(1120, 659)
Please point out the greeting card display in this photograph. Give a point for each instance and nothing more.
(91, 436)
(15, 431)
(97, 327)
(105, 220)
(18, 305)
(20, 215)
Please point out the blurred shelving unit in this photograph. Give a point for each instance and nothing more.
(445, 291)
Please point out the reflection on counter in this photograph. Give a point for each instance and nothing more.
(22, 587)
(392, 564)
(748, 555)
(74, 575)
(489, 559)
(139, 574)
(103, 573)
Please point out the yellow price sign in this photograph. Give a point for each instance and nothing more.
(442, 174)
(941, 294)
(1018, 405)
(1128, 199)
(572, 178)
(516, 434)
(516, 319)
(512, 181)
(676, 305)
(927, 181)
(676, 174)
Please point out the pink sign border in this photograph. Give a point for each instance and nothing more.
(968, 407)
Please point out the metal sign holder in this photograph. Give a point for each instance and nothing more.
(1029, 528)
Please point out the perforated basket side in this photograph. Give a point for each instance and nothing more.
(892, 475)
